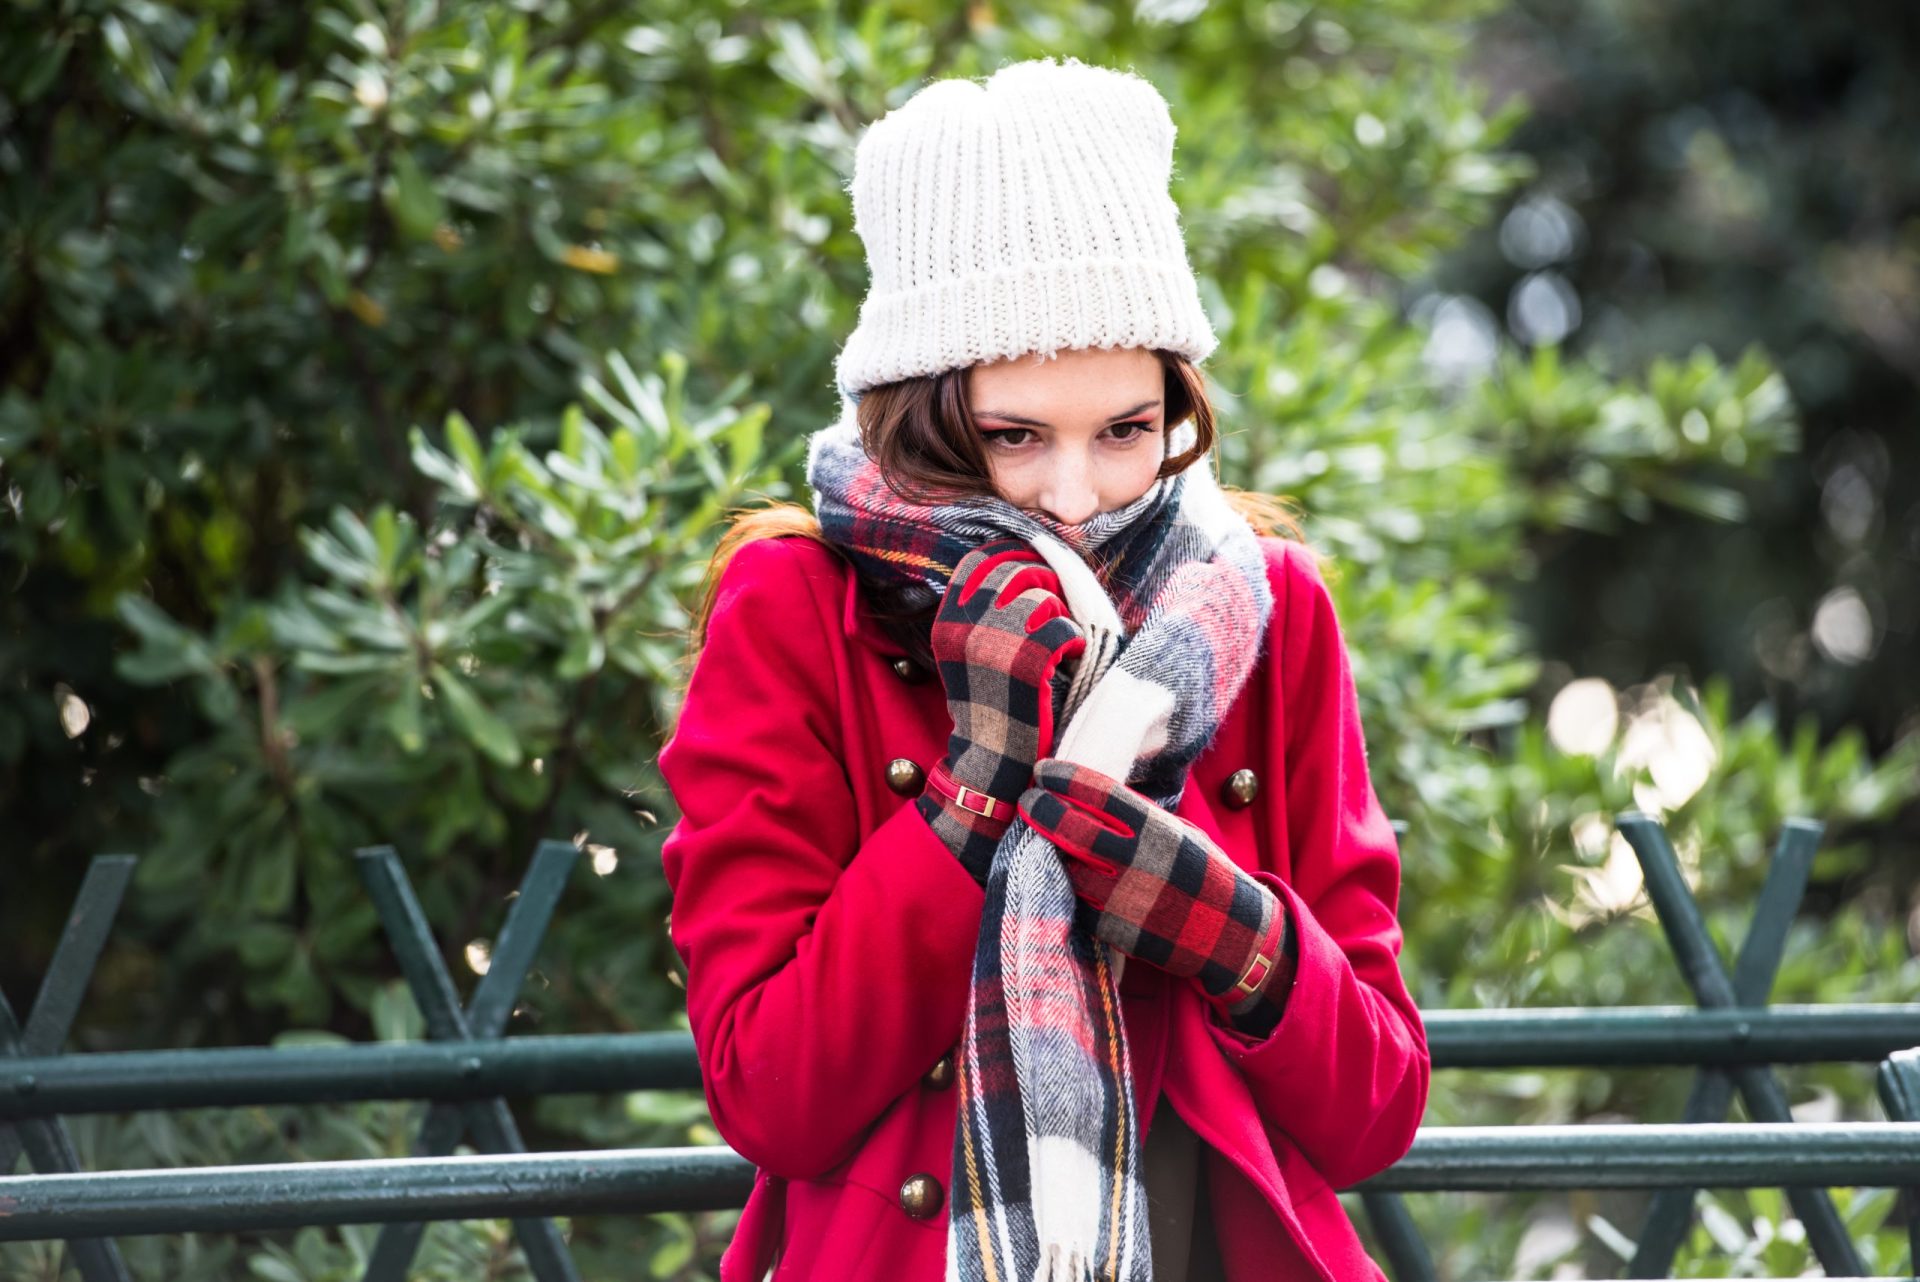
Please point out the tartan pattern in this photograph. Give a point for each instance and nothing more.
(1156, 888)
(1171, 592)
(1001, 634)
(998, 640)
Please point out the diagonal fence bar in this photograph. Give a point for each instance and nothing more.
(1706, 974)
(1742, 996)
(1408, 1259)
(484, 1019)
(68, 973)
(1899, 1084)
(1670, 1213)
(48, 1145)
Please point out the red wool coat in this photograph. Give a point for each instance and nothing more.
(828, 936)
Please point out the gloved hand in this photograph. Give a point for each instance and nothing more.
(999, 639)
(1157, 889)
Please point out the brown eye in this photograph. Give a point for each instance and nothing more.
(1004, 436)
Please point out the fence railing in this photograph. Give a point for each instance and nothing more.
(1731, 1038)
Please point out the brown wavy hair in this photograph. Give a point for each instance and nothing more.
(922, 434)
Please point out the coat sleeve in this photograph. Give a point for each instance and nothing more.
(1344, 1075)
(825, 973)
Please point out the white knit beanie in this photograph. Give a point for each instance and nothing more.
(1021, 216)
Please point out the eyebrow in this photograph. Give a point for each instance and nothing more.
(1034, 422)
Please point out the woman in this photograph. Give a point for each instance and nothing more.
(1037, 907)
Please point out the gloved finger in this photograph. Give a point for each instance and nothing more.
(1011, 579)
(1092, 883)
(963, 568)
(1095, 789)
(980, 578)
(972, 572)
(1035, 607)
(1063, 636)
(1084, 832)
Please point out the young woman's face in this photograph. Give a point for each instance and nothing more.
(1079, 433)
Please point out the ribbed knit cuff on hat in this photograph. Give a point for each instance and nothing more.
(1015, 311)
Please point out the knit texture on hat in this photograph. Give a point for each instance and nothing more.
(1024, 215)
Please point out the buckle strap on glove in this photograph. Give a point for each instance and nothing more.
(972, 800)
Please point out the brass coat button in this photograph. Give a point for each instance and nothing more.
(940, 1076)
(904, 777)
(922, 1197)
(1241, 788)
(906, 669)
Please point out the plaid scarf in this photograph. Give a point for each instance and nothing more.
(1172, 593)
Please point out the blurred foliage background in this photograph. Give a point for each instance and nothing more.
(375, 376)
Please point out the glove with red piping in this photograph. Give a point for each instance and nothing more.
(1158, 889)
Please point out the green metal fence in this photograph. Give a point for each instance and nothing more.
(1730, 1040)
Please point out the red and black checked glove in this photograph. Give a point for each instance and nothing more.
(999, 638)
(1159, 890)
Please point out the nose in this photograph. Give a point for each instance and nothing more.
(1067, 493)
